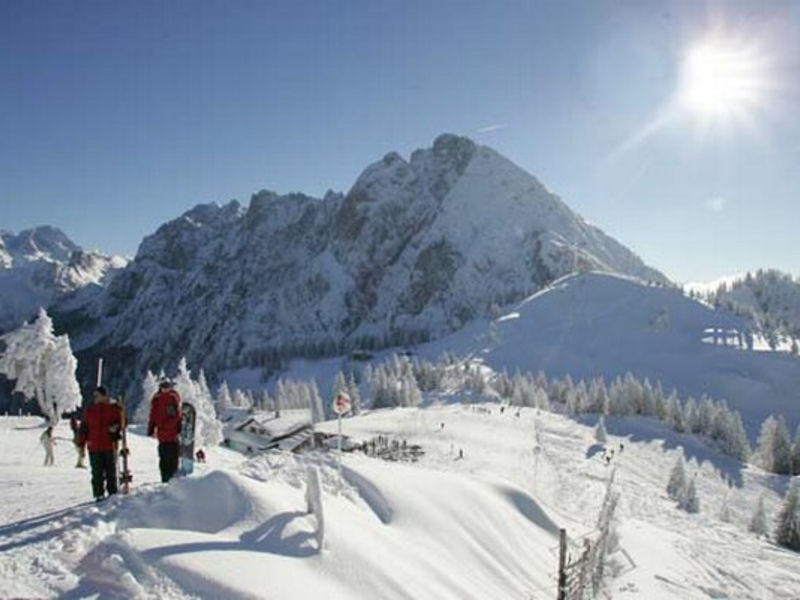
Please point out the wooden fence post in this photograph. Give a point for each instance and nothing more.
(562, 565)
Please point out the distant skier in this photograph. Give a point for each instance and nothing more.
(100, 431)
(75, 426)
(48, 442)
(165, 423)
(200, 456)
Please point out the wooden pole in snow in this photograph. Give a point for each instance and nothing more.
(562, 564)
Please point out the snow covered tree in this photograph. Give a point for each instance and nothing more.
(689, 500)
(43, 366)
(409, 391)
(690, 416)
(600, 433)
(706, 413)
(598, 396)
(725, 510)
(674, 413)
(315, 403)
(149, 389)
(659, 402)
(355, 395)
(774, 448)
(677, 479)
(540, 398)
(796, 453)
(240, 399)
(735, 442)
(339, 385)
(758, 523)
(787, 532)
(224, 401)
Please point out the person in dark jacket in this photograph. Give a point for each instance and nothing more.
(100, 430)
(165, 423)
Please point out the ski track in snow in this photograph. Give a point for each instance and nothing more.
(484, 526)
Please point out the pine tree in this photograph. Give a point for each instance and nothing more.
(787, 532)
(706, 413)
(674, 413)
(149, 389)
(725, 510)
(240, 399)
(355, 394)
(796, 453)
(410, 392)
(339, 385)
(774, 449)
(315, 403)
(280, 397)
(690, 416)
(648, 399)
(689, 500)
(224, 401)
(660, 402)
(783, 448)
(736, 442)
(600, 433)
(758, 523)
(677, 479)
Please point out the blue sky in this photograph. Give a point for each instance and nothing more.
(115, 117)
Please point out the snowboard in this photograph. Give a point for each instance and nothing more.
(186, 439)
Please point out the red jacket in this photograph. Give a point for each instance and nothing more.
(101, 426)
(165, 416)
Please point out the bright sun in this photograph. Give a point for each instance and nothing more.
(721, 80)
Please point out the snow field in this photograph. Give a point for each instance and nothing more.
(481, 526)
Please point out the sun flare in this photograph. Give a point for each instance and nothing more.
(721, 80)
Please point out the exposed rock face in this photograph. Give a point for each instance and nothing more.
(39, 267)
(415, 249)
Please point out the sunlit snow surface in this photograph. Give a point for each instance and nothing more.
(479, 527)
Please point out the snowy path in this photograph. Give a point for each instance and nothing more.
(444, 528)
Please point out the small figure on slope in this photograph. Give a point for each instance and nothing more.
(75, 426)
(100, 430)
(165, 424)
(48, 442)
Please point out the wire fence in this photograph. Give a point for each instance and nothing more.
(582, 572)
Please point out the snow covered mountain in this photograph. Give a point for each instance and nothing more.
(416, 249)
(41, 266)
(604, 325)
(769, 298)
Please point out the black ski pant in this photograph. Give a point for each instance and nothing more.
(104, 473)
(168, 453)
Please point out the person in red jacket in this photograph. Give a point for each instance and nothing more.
(165, 423)
(100, 430)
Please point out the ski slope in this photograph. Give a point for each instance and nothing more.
(604, 325)
(484, 526)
